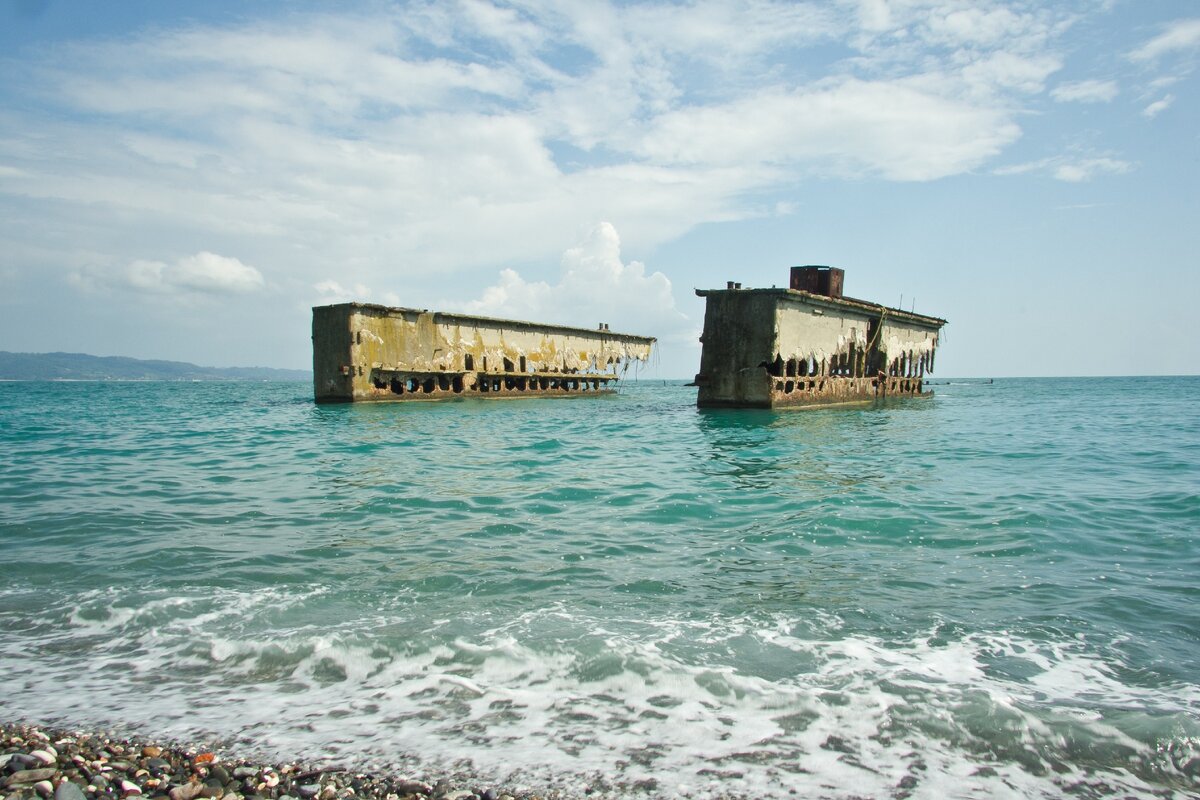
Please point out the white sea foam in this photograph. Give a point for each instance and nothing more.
(619, 699)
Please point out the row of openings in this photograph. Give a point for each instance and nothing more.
(851, 364)
(896, 385)
(910, 365)
(855, 363)
(454, 383)
(792, 386)
(520, 365)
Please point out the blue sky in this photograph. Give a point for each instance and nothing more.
(185, 181)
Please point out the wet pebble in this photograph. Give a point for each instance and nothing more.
(56, 765)
(68, 790)
(188, 791)
(31, 776)
(44, 756)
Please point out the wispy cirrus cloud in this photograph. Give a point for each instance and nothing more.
(1089, 91)
(1071, 169)
(1158, 106)
(1183, 34)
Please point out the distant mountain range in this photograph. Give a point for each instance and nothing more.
(82, 367)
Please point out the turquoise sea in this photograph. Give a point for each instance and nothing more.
(991, 593)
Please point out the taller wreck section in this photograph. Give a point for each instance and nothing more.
(809, 345)
(372, 352)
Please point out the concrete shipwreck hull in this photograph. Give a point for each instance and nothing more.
(807, 345)
(369, 352)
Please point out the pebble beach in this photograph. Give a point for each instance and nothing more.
(38, 763)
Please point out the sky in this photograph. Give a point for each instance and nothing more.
(186, 180)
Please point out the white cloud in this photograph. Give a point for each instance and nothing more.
(1182, 34)
(594, 286)
(899, 130)
(1090, 91)
(204, 272)
(1003, 72)
(363, 153)
(1086, 169)
(329, 292)
(1070, 169)
(1157, 107)
(979, 25)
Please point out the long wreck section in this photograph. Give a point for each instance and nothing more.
(363, 351)
(808, 345)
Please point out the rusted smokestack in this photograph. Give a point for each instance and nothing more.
(820, 280)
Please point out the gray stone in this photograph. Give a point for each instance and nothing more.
(69, 791)
(242, 773)
(309, 790)
(30, 776)
(187, 791)
(404, 787)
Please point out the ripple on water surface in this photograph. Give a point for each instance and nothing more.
(986, 593)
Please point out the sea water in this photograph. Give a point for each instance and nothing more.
(993, 592)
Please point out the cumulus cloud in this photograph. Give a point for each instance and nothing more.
(1182, 34)
(1158, 106)
(1091, 91)
(329, 292)
(203, 272)
(595, 286)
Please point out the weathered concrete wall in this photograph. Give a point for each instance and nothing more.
(739, 332)
(370, 352)
(816, 332)
(779, 347)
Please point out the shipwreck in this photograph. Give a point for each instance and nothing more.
(363, 351)
(808, 345)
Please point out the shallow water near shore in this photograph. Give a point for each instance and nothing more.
(992, 592)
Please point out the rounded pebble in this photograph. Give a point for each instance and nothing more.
(36, 765)
(44, 756)
(69, 791)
